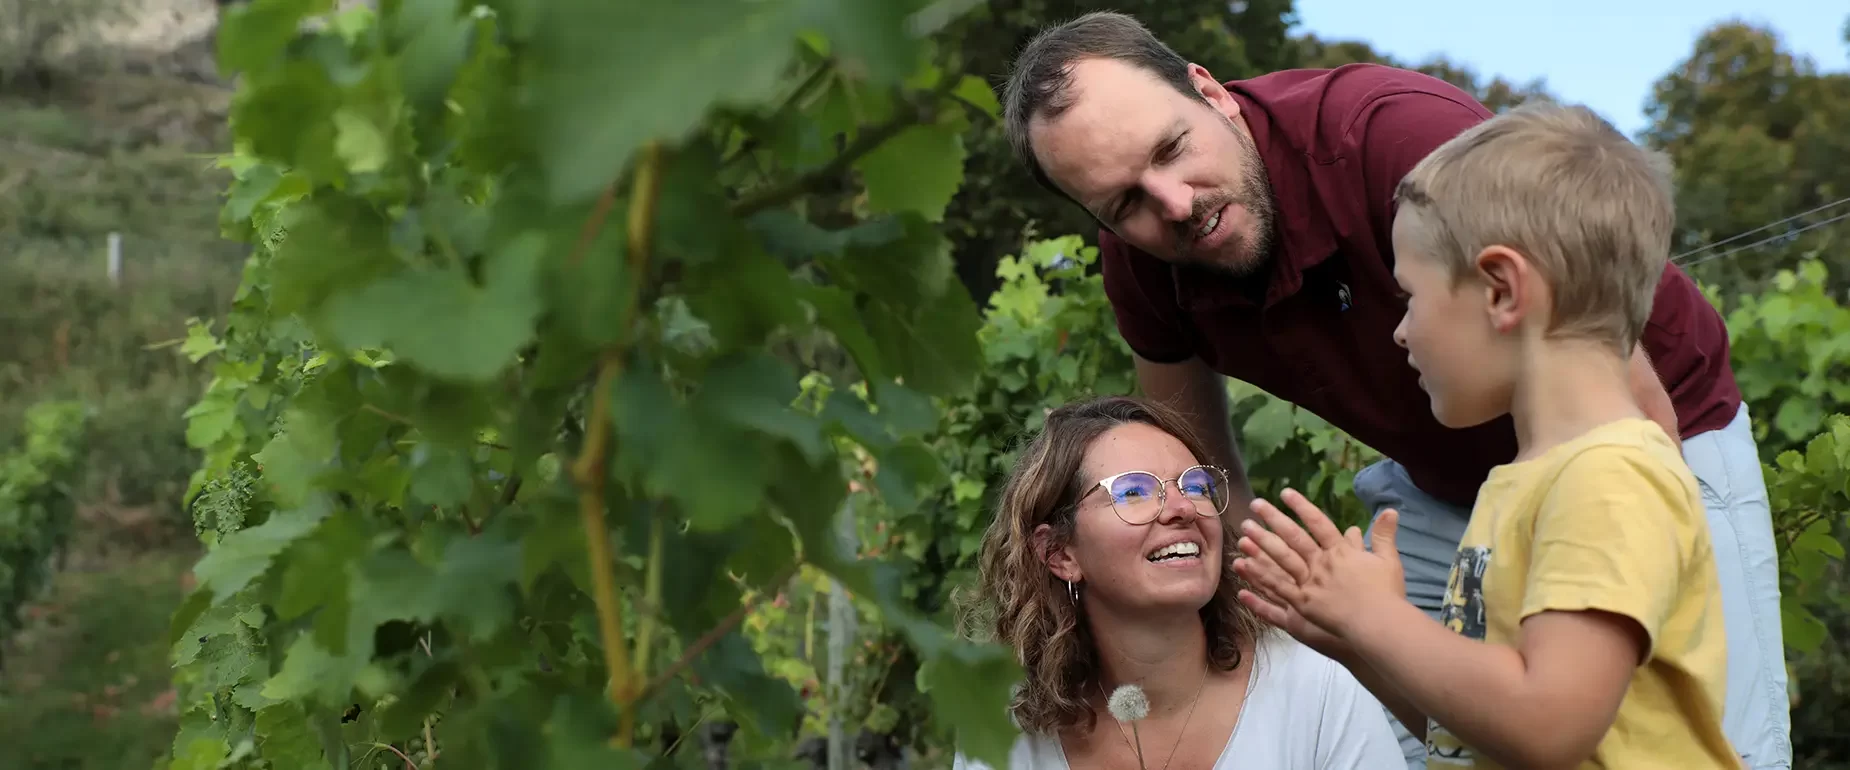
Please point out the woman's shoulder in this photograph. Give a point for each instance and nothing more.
(1317, 712)
(1294, 679)
(1283, 660)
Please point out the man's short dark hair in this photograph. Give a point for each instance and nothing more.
(1040, 84)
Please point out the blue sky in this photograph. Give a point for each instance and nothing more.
(1602, 53)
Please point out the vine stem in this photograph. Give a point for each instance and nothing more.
(591, 470)
(714, 634)
(907, 114)
(401, 755)
(652, 597)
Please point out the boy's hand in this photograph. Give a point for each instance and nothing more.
(1333, 578)
(1268, 582)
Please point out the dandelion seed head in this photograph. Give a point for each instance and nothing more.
(1128, 703)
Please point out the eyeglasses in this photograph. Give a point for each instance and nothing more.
(1138, 497)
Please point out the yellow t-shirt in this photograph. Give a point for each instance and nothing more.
(1612, 521)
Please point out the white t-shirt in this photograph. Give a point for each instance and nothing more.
(1303, 712)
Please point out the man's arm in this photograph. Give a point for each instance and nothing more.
(1648, 388)
(1200, 393)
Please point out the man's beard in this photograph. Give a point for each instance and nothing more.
(1239, 257)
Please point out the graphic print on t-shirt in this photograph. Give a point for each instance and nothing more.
(1463, 613)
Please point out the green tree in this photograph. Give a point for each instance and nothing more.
(1757, 135)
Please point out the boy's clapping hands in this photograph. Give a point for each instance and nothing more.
(1317, 584)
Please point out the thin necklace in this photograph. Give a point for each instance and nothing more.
(1185, 721)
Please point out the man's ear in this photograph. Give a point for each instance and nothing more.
(1059, 558)
(1213, 91)
(1511, 289)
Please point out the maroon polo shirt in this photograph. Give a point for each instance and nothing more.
(1317, 330)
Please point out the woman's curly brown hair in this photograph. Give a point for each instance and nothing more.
(1020, 603)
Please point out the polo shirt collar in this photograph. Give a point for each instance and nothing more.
(1305, 235)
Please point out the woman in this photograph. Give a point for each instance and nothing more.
(1108, 563)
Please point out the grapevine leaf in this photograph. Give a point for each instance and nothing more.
(919, 170)
(1798, 417)
(970, 685)
(252, 34)
(686, 454)
(771, 551)
(283, 118)
(579, 737)
(970, 691)
(287, 739)
(694, 595)
(594, 112)
(404, 715)
(745, 297)
(316, 578)
(556, 538)
(208, 420)
(436, 42)
(441, 475)
(843, 412)
(359, 142)
(333, 244)
(296, 460)
(905, 468)
(810, 495)
(977, 93)
(764, 701)
(908, 412)
(221, 620)
(1820, 542)
(579, 293)
(1267, 430)
(200, 754)
(933, 348)
(791, 238)
(313, 674)
(250, 189)
(835, 311)
(421, 314)
(871, 38)
(756, 391)
(246, 554)
(912, 268)
(469, 586)
(1800, 628)
(921, 318)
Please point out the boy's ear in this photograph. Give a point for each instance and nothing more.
(1059, 558)
(1512, 288)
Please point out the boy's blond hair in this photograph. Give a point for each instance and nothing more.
(1591, 210)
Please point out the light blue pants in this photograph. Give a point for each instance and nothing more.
(1726, 464)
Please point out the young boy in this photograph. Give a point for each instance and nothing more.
(1583, 623)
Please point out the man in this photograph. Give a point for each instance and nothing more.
(1246, 233)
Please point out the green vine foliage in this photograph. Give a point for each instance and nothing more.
(1810, 494)
(512, 416)
(1789, 346)
(37, 503)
